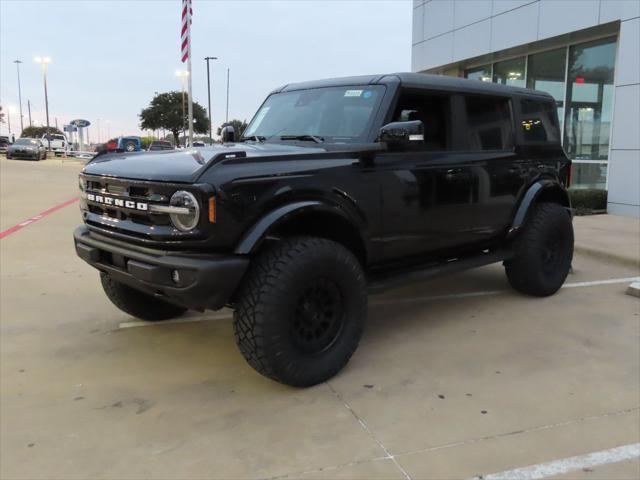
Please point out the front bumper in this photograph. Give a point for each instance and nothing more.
(24, 155)
(207, 281)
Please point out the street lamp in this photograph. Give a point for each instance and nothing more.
(184, 75)
(44, 61)
(209, 96)
(18, 62)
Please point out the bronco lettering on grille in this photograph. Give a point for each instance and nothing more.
(117, 202)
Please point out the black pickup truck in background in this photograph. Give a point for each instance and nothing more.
(338, 188)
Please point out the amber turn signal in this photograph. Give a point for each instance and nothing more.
(212, 209)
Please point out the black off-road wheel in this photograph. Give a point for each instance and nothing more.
(543, 251)
(301, 310)
(137, 303)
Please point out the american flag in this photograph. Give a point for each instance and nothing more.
(185, 37)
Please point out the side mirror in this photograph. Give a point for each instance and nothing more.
(228, 134)
(402, 133)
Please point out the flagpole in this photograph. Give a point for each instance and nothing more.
(189, 77)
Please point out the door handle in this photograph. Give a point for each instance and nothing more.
(454, 173)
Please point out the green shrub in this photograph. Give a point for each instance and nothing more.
(586, 200)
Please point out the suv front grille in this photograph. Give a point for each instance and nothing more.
(123, 206)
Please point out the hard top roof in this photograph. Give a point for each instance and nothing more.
(417, 80)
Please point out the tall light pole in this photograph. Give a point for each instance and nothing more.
(209, 96)
(227, 117)
(29, 108)
(44, 61)
(18, 62)
(183, 75)
(9, 119)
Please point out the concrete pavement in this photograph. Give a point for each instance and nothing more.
(613, 238)
(453, 378)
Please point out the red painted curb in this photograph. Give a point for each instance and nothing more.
(35, 218)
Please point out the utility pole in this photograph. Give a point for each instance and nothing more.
(18, 62)
(9, 119)
(209, 96)
(227, 117)
(44, 61)
(29, 107)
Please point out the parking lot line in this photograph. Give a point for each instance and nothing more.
(568, 465)
(397, 301)
(35, 218)
(453, 296)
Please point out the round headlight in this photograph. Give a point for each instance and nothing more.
(185, 221)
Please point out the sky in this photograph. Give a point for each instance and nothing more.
(110, 56)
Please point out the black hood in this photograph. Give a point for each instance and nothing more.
(185, 165)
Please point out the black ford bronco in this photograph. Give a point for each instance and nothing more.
(337, 188)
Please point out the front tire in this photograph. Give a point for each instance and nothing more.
(137, 303)
(130, 147)
(301, 310)
(543, 251)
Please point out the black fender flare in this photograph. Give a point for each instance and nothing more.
(535, 192)
(254, 236)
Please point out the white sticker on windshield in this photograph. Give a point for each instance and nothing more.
(353, 93)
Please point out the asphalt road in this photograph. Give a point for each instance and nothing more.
(454, 378)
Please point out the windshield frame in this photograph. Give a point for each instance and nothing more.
(366, 136)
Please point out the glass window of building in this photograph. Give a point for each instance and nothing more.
(479, 73)
(509, 72)
(589, 108)
(546, 72)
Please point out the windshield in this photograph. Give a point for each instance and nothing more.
(26, 141)
(334, 114)
(53, 137)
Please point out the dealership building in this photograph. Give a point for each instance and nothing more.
(585, 53)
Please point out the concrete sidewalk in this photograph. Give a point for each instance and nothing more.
(612, 238)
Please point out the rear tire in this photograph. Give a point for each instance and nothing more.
(301, 310)
(137, 303)
(543, 251)
(130, 147)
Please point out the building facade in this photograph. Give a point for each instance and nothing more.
(585, 53)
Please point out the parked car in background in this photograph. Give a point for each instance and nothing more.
(129, 144)
(56, 142)
(27, 149)
(4, 143)
(160, 145)
(199, 144)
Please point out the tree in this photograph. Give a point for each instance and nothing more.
(37, 132)
(165, 111)
(239, 126)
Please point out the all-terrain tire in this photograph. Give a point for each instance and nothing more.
(130, 146)
(301, 310)
(137, 303)
(543, 251)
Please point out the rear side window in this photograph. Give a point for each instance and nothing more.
(489, 123)
(538, 122)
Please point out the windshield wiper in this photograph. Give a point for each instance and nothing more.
(255, 138)
(304, 138)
